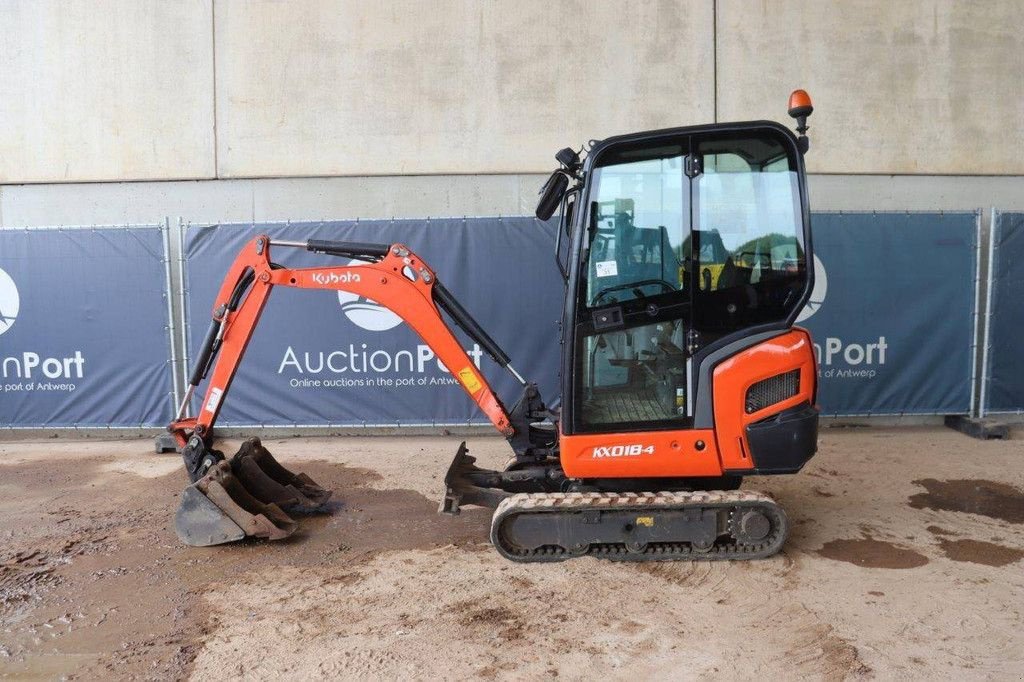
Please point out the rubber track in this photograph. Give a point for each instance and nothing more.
(552, 503)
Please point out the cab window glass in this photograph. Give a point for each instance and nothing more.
(748, 221)
(638, 227)
(688, 239)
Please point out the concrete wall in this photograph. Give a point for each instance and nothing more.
(112, 90)
(906, 86)
(283, 199)
(127, 90)
(169, 90)
(344, 87)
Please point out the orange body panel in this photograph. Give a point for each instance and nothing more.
(640, 454)
(732, 378)
(643, 454)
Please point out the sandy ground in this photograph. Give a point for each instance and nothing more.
(905, 561)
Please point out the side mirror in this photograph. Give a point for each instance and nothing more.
(551, 195)
(568, 158)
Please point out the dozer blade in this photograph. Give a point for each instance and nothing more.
(460, 488)
(266, 479)
(217, 509)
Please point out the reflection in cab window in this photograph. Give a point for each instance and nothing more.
(748, 224)
(638, 229)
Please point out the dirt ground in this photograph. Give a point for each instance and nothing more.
(905, 561)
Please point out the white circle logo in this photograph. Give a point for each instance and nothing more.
(10, 302)
(817, 298)
(363, 312)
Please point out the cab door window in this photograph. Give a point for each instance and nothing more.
(633, 371)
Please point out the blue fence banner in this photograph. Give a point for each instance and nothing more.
(84, 327)
(892, 315)
(1003, 379)
(329, 358)
(893, 312)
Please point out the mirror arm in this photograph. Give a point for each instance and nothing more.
(563, 226)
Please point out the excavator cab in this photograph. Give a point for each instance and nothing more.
(693, 240)
(685, 253)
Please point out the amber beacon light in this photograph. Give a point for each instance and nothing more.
(800, 108)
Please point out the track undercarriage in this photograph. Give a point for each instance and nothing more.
(542, 516)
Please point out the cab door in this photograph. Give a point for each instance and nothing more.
(633, 281)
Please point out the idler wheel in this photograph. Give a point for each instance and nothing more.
(753, 526)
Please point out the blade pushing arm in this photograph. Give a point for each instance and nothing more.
(393, 276)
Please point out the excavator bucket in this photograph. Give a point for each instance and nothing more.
(266, 479)
(217, 508)
(245, 496)
(201, 523)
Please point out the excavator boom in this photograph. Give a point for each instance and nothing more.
(394, 277)
(239, 492)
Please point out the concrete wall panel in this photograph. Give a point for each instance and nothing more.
(269, 199)
(279, 199)
(112, 90)
(343, 87)
(912, 86)
(411, 196)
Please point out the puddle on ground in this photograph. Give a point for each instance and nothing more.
(979, 552)
(987, 498)
(871, 553)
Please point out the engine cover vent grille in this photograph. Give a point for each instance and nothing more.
(772, 390)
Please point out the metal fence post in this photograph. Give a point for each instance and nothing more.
(977, 301)
(182, 305)
(993, 237)
(165, 229)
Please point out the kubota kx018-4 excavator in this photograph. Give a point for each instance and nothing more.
(686, 254)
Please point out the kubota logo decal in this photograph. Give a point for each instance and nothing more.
(335, 278)
(634, 450)
(817, 298)
(10, 302)
(365, 313)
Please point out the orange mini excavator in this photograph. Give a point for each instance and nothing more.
(685, 254)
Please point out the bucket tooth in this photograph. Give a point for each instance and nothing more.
(267, 480)
(251, 515)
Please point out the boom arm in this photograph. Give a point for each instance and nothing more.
(394, 277)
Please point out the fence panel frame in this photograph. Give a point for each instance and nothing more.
(479, 421)
(169, 322)
(992, 299)
(972, 347)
